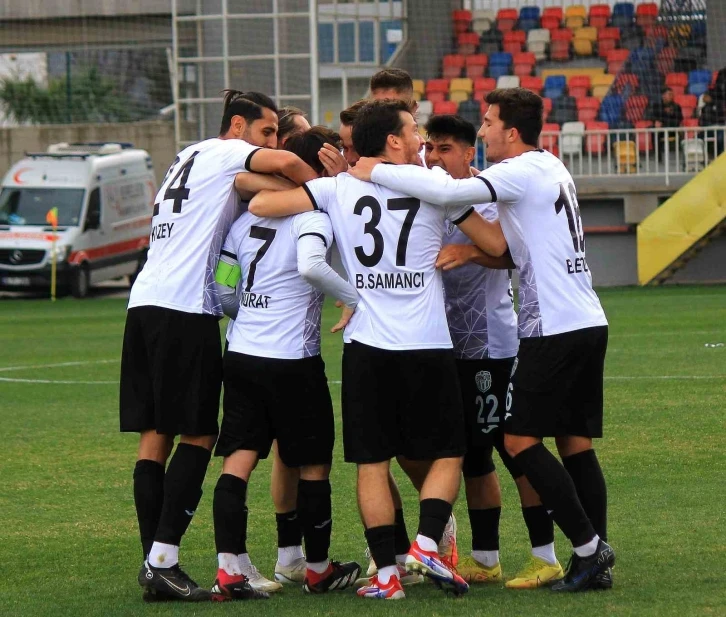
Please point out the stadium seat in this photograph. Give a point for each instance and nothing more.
(572, 134)
(688, 103)
(524, 63)
(458, 96)
(508, 81)
(554, 12)
(630, 37)
(616, 58)
(575, 16)
(462, 20)
(587, 108)
(677, 82)
(419, 88)
(528, 18)
(483, 86)
(625, 155)
(514, 41)
(499, 64)
(471, 111)
(491, 41)
(583, 43)
(611, 108)
(690, 122)
(506, 19)
(549, 138)
(476, 65)
(452, 65)
(483, 108)
(635, 107)
(462, 84)
(537, 42)
(554, 86)
(564, 109)
(655, 36)
(601, 85)
(546, 108)
(699, 81)
(665, 60)
(551, 21)
(694, 154)
(626, 83)
(482, 20)
(560, 44)
(599, 15)
(595, 144)
(437, 90)
(644, 139)
(623, 13)
(646, 14)
(467, 43)
(578, 86)
(425, 108)
(607, 40)
(532, 83)
(445, 107)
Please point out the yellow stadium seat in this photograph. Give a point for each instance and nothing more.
(602, 79)
(589, 33)
(599, 92)
(419, 87)
(458, 96)
(626, 157)
(582, 47)
(463, 84)
(575, 16)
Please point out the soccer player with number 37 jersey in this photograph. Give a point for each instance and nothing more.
(556, 389)
(171, 364)
(400, 390)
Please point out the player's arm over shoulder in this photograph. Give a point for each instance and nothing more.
(314, 195)
(288, 164)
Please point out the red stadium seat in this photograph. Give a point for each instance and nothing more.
(562, 34)
(692, 122)
(507, 19)
(531, 82)
(560, 44)
(587, 108)
(688, 103)
(546, 108)
(579, 86)
(644, 140)
(484, 108)
(513, 41)
(599, 15)
(553, 11)
(677, 82)
(467, 43)
(666, 59)
(607, 40)
(524, 63)
(646, 14)
(476, 65)
(437, 90)
(446, 107)
(462, 20)
(596, 143)
(626, 80)
(551, 22)
(714, 76)
(635, 108)
(452, 65)
(483, 86)
(549, 142)
(655, 33)
(615, 59)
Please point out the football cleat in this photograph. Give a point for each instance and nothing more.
(152, 595)
(372, 568)
(234, 587)
(537, 573)
(170, 583)
(376, 590)
(582, 571)
(473, 571)
(447, 546)
(439, 571)
(405, 578)
(292, 574)
(337, 576)
(259, 582)
(604, 580)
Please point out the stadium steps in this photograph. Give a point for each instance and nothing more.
(683, 226)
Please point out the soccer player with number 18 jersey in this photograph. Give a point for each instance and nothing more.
(556, 389)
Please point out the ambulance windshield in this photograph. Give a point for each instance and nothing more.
(29, 206)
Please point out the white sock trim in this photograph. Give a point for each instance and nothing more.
(586, 550)
(385, 574)
(546, 553)
(318, 566)
(486, 558)
(229, 563)
(288, 555)
(426, 544)
(163, 555)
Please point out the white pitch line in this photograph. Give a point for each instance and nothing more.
(56, 381)
(633, 377)
(4, 369)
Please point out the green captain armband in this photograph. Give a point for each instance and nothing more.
(228, 274)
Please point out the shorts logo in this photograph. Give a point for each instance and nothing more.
(483, 381)
(450, 227)
(514, 367)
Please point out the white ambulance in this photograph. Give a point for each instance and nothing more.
(104, 194)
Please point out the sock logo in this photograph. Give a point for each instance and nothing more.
(190, 512)
(324, 524)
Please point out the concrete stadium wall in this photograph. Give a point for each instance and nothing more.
(157, 138)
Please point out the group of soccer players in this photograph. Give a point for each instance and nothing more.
(438, 370)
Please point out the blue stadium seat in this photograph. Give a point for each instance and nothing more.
(699, 81)
(471, 111)
(623, 13)
(554, 86)
(610, 109)
(529, 18)
(500, 64)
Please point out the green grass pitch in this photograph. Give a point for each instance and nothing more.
(68, 537)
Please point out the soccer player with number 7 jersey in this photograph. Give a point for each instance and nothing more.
(556, 389)
(400, 392)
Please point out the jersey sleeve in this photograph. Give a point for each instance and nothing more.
(237, 156)
(507, 181)
(314, 224)
(321, 192)
(228, 272)
(488, 211)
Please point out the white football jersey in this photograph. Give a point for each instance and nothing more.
(540, 218)
(389, 243)
(193, 211)
(479, 304)
(279, 313)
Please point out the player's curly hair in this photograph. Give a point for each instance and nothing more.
(450, 125)
(307, 145)
(249, 105)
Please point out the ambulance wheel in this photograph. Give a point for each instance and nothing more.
(80, 282)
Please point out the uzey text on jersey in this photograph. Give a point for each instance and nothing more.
(250, 299)
(390, 280)
(161, 231)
